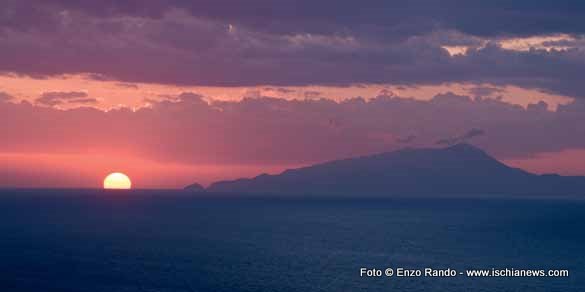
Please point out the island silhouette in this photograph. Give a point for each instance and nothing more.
(461, 169)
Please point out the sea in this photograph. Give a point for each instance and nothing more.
(97, 240)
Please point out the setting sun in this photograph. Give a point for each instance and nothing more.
(117, 180)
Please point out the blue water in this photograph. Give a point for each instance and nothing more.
(168, 241)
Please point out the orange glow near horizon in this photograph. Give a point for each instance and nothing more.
(117, 180)
(46, 170)
(84, 170)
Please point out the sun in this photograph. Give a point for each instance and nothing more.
(117, 180)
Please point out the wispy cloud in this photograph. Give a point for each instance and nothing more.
(462, 138)
(53, 98)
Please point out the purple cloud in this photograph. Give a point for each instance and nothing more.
(5, 97)
(57, 97)
(276, 131)
(83, 101)
(462, 138)
(292, 43)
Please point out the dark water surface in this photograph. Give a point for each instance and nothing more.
(167, 241)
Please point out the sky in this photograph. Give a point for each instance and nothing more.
(176, 92)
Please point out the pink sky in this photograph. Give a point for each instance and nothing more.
(184, 138)
(175, 92)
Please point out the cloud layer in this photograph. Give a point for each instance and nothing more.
(189, 130)
(289, 42)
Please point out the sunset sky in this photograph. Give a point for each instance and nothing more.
(176, 92)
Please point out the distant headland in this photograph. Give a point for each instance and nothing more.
(461, 169)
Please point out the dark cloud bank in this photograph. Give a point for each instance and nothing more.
(227, 43)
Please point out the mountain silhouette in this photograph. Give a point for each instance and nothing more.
(460, 169)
